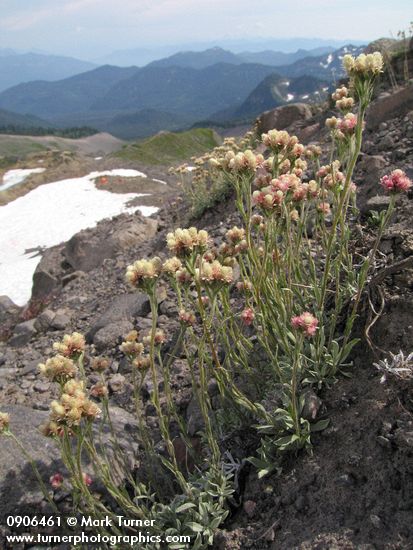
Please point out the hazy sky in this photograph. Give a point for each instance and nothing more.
(90, 28)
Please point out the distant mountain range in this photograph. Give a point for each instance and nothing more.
(176, 92)
(145, 55)
(97, 96)
(328, 66)
(200, 60)
(16, 68)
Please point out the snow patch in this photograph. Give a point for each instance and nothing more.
(328, 61)
(123, 172)
(147, 210)
(51, 214)
(290, 97)
(15, 177)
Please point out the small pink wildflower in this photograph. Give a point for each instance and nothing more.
(348, 123)
(306, 322)
(87, 480)
(56, 480)
(324, 208)
(248, 316)
(187, 317)
(396, 182)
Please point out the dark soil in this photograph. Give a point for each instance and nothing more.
(355, 491)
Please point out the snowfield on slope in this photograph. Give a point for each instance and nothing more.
(15, 177)
(49, 215)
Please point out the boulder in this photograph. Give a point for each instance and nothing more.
(61, 320)
(110, 335)
(283, 116)
(7, 308)
(125, 307)
(46, 278)
(389, 106)
(50, 320)
(9, 314)
(19, 489)
(44, 320)
(87, 249)
(44, 284)
(307, 133)
(22, 333)
(372, 168)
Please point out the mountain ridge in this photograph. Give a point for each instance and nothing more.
(16, 68)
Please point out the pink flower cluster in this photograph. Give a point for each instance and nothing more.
(347, 124)
(342, 127)
(331, 175)
(286, 185)
(396, 182)
(187, 317)
(306, 323)
(56, 480)
(247, 316)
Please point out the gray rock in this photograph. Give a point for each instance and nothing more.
(388, 142)
(42, 386)
(18, 484)
(44, 284)
(19, 488)
(373, 168)
(125, 307)
(7, 371)
(372, 162)
(135, 232)
(8, 308)
(22, 333)
(30, 367)
(385, 108)
(61, 320)
(283, 116)
(378, 203)
(89, 248)
(48, 273)
(85, 251)
(110, 335)
(44, 320)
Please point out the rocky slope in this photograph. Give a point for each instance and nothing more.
(355, 490)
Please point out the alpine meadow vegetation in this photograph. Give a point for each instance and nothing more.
(267, 315)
